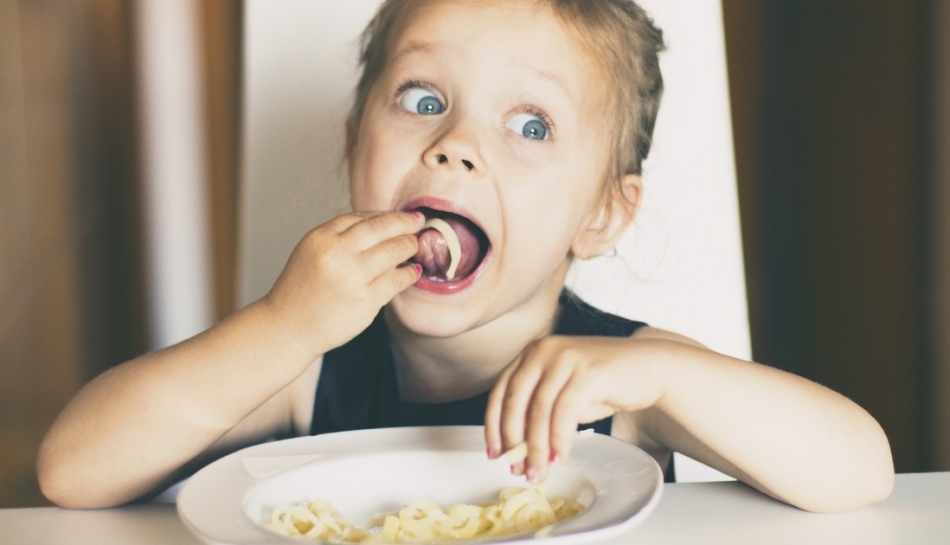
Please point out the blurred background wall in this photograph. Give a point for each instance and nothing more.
(840, 115)
(832, 104)
(75, 296)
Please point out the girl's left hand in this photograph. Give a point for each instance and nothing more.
(559, 382)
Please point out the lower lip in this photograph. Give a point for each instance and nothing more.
(448, 288)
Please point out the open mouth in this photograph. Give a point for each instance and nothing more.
(442, 259)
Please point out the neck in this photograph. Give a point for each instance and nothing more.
(436, 370)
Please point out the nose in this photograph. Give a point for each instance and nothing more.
(456, 148)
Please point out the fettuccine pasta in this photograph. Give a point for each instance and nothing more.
(518, 511)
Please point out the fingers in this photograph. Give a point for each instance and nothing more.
(385, 241)
(539, 400)
(493, 412)
(340, 224)
(564, 419)
(367, 229)
(390, 252)
(394, 281)
(550, 394)
(520, 409)
(514, 406)
(342, 272)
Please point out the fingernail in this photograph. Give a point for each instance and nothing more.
(419, 216)
(512, 468)
(554, 457)
(532, 475)
(417, 267)
(488, 451)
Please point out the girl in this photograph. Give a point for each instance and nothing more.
(521, 125)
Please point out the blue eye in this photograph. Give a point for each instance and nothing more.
(421, 101)
(529, 126)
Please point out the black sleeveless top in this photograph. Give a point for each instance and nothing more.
(358, 389)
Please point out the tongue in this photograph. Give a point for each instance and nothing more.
(435, 257)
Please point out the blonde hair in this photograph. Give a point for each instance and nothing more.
(617, 32)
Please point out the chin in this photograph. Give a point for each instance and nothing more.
(440, 320)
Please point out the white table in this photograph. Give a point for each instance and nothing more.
(918, 512)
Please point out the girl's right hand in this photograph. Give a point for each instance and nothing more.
(341, 274)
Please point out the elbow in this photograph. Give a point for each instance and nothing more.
(875, 489)
(849, 497)
(865, 479)
(54, 490)
(839, 473)
(54, 483)
(59, 487)
(873, 480)
(877, 482)
(884, 485)
(60, 480)
(56, 480)
(881, 476)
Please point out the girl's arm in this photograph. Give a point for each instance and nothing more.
(786, 436)
(136, 425)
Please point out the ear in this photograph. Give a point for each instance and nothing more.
(610, 219)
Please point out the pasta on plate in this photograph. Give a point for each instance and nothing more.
(517, 511)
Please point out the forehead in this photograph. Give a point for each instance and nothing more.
(521, 34)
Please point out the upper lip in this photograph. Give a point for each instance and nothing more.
(441, 205)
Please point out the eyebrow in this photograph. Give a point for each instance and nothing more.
(553, 78)
(417, 46)
(413, 47)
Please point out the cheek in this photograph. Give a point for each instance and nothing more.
(362, 192)
(360, 189)
(545, 228)
(560, 199)
(550, 215)
(371, 174)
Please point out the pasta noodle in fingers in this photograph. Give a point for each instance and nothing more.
(518, 511)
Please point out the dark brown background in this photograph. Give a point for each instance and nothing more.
(831, 118)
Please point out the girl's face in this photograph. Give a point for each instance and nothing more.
(490, 116)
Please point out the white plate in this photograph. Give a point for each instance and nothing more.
(367, 472)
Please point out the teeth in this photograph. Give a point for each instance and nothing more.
(451, 241)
